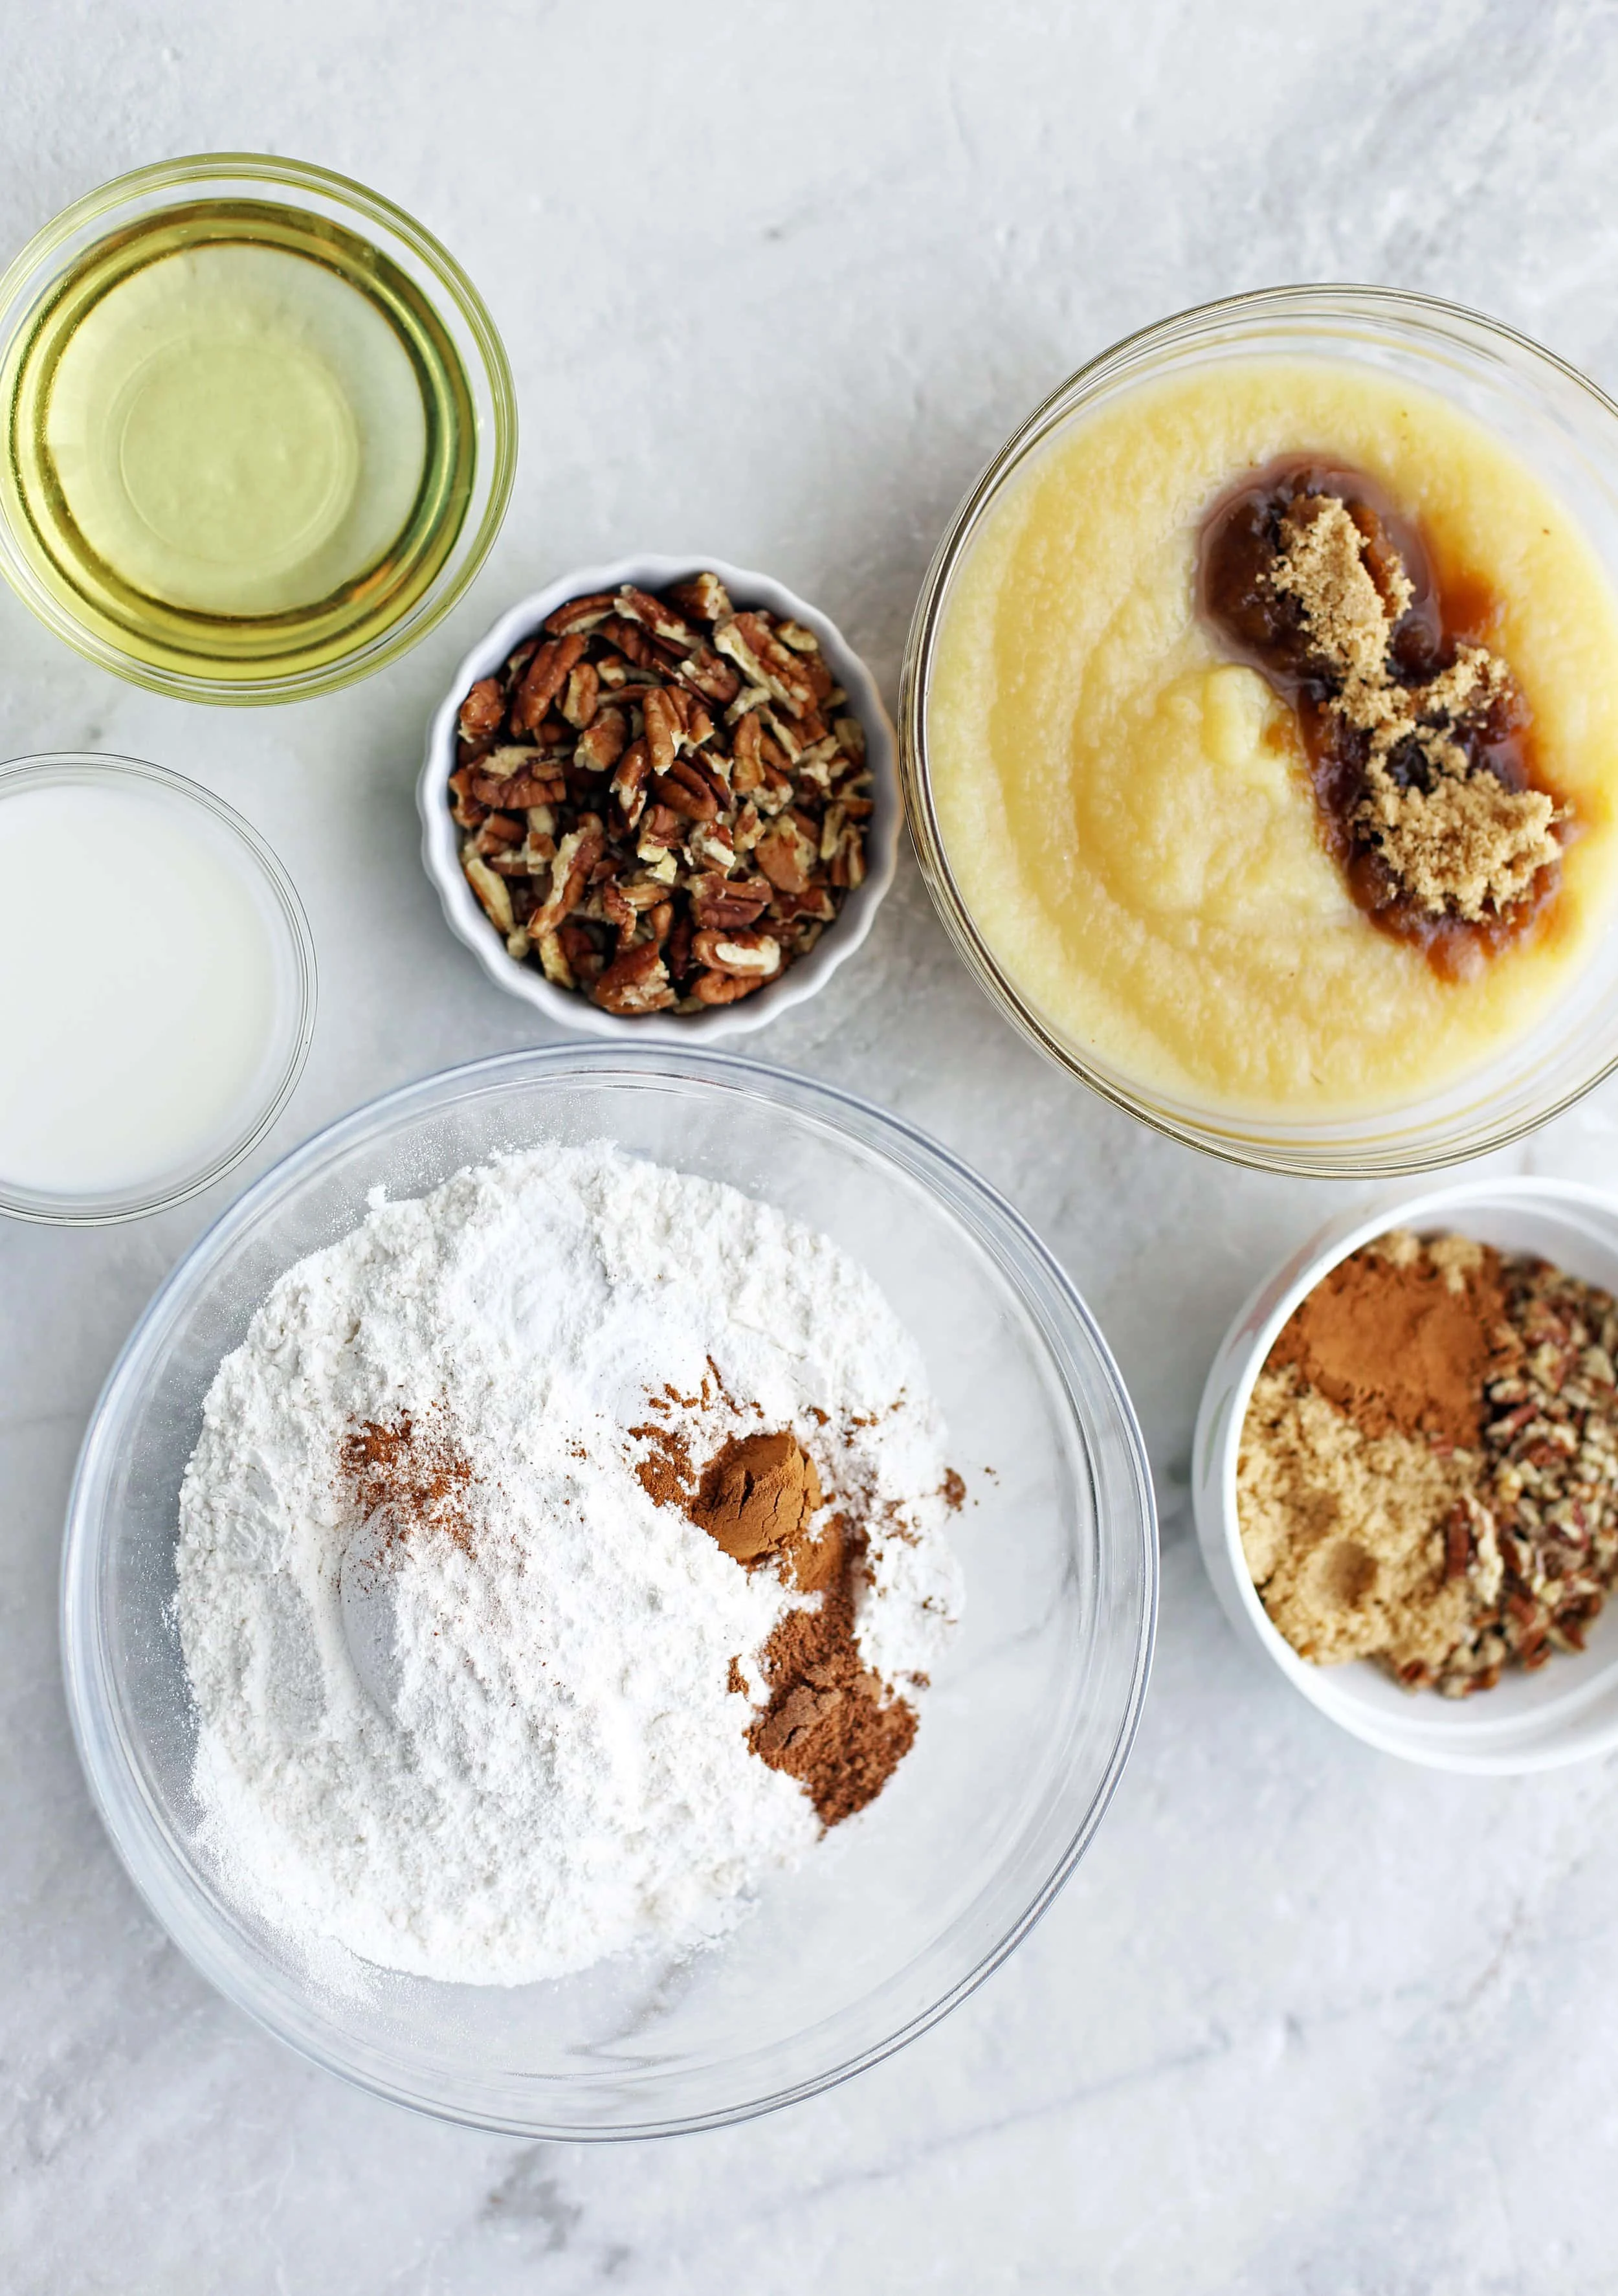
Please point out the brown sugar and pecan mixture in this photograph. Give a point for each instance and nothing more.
(1428, 1474)
(663, 797)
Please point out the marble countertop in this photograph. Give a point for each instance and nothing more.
(775, 282)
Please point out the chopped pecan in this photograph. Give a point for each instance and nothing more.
(787, 853)
(727, 901)
(704, 598)
(684, 790)
(751, 954)
(708, 676)
(637, 982)
(724, 987)
(465, 810)
(579, 695)
(482, 710)
(491, 890)
(628, 784)
(579, 614)
(661, 721)
(496, 831)
(602, 743)
(575, 857)
(542, 681)
(668, 768)
(653, 615)
(584, 959)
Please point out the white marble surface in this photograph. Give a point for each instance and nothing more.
(775, 282)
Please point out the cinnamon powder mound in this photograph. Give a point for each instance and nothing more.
(830, 1722)
(1402, 1338)
(412, 1469)
(758, 1500)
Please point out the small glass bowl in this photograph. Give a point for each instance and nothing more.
(1028, 1724)
(1567, 431)
(274, 657)
(293, 954)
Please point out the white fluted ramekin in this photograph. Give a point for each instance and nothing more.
(440, 839)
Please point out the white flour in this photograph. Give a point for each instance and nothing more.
(502, 1755)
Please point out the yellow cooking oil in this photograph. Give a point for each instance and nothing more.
(241, 441)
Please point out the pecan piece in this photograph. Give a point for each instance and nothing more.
(491, 890)
(578, 701)
(602, 743)
(706, 675)
(575, 857)
(637, 982)
(661, 722)
(628, 784)
(724, 987)
(482, 710)
(728, 902)
(683, 789)
(754, 955)
(544, 680)
(653, 615)
(752, 646)
(787, 853)
(465, 811)
(704, 598)
(579, 614)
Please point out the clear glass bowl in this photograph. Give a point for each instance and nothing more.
(1027, 1728)
(273, 657)
(237, 848)
(1567, 431)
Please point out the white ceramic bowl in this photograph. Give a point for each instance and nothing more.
(1568, 1711)
(440, 839)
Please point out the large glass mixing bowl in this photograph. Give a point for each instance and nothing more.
(1023, 1734)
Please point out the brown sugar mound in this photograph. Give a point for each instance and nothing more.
(1344, 1532)
(1402, 1338)
(830, 1722)
(1455, 840)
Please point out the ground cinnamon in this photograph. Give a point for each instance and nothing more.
(1402, 1338)
(828, 1719)
(830, 1722)
(410, 1466)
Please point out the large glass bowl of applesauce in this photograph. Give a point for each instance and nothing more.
(1115, 823)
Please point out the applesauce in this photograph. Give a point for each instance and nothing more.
(1127, 813)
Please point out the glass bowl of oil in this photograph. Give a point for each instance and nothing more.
(259, 428)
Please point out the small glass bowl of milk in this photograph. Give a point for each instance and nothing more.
(156, 988)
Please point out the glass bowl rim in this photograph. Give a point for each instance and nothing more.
(25, 273)
(146, 1843)
(1303, 1158)
(107, 1208)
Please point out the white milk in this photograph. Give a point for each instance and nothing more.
(139, 988)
